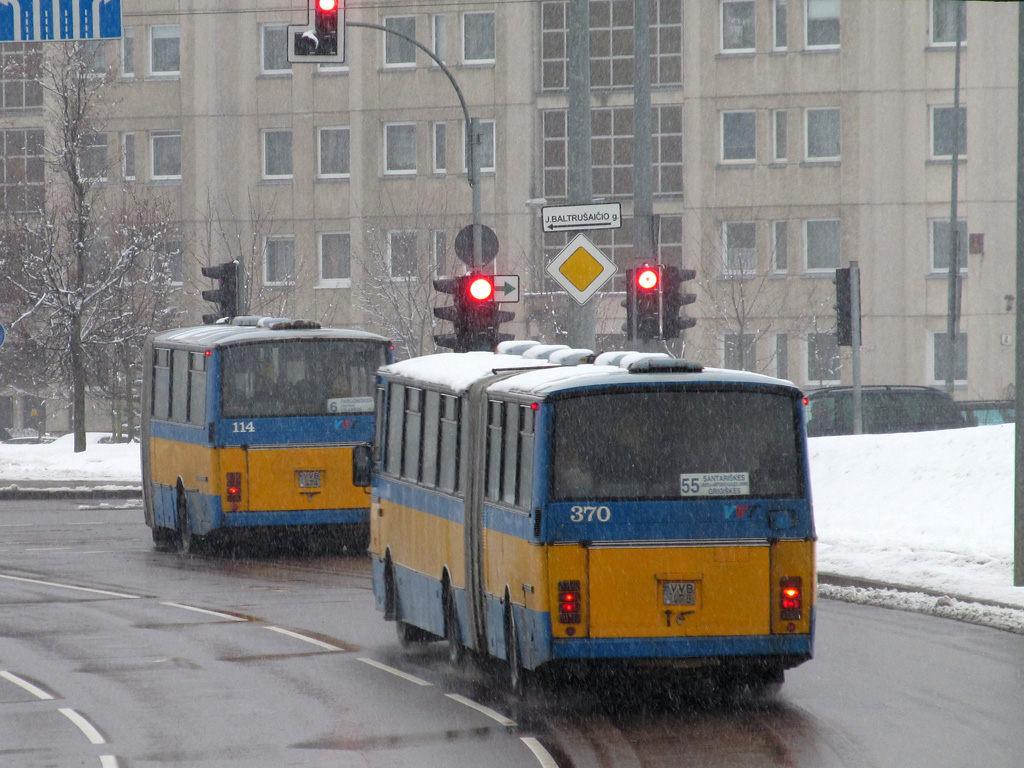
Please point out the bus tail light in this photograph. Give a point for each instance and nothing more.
(569, 608)
(791, 598)
(233, 483)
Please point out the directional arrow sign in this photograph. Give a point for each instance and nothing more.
(25, 20)
(506, 288)
(562, 218)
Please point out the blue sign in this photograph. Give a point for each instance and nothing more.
(33, 20)
(3, 335)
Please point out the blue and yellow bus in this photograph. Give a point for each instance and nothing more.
(252, 424)
(650, 511)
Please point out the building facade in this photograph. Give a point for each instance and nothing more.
(790, 138)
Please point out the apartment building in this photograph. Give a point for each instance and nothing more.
(790, 138)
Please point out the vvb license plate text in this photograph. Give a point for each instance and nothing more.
(309, 478)
(679, 592)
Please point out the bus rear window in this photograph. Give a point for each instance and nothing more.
(299, 377)
(667, 444)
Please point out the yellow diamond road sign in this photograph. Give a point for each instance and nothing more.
(581, 268)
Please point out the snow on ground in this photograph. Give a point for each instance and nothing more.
(930, 512)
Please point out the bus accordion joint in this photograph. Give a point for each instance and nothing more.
(791, 598)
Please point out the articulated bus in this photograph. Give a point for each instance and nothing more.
(252, 424)
(644, 513)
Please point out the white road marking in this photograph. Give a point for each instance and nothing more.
(543, 756)
(108, 761)
(94, 736)
(395, 672)
(36, 691)
(218, 614)
(70, 586)
(496, 716)
(312, 640)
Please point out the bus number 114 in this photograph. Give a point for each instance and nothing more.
(243, 426)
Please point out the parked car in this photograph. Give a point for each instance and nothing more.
(981, 413)
(884, 409)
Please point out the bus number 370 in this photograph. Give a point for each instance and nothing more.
(588, 514)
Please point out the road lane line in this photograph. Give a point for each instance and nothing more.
(543, 756)
(312, 640)
(395, 672)
(496, 716)
(208, 612)
(108, 761)
(94, 736)
(39, 693)
(70, 586)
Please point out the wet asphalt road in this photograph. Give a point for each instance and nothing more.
(113, 654)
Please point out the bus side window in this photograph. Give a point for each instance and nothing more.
(396, 413)
(413, 433)
(495, 430)
(161, 383)
(179, 386)
(524, 495)
(449, 453)
(431, 434)
(511, 457)
(197, 388)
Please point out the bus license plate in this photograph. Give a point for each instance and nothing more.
(309, 478)
(679, 592)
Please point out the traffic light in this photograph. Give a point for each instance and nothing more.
(844, 308)
(648, 301)
(673, 299)
(324, 40)
(225, 296)
(474, 314)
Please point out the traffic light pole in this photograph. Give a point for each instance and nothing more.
(858, 421)
(643, 182)
(472, 136)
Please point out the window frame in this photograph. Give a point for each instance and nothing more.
(780, 226)
(290, 278)
(727, 268)
(128, 53)
(266, 133)
(163, 74)
(828, 268)
(780, 139)
(266, 71)
(808, 157)
(388, 171)
(752, 22)
(745, 160)
(779, 16)
(414, 274)
(815, 336)
(807, 27)
(321, 173)
(129, 157)
(962, 348)
(439, 37)
(390, 41)
(483, 62)
(439, 147)
(962, 251)
(933, 17)
(164, 134)
(493, 146)
(933, 109)
(333, 282)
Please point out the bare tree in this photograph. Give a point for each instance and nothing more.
(80, 252)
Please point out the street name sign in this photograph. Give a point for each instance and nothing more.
(581, 268)
(35, 20)
(564, 218)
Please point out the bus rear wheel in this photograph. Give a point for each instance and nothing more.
(188, 542)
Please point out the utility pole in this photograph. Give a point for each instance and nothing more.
(643, 155)
(954, 285)
(580, 176)
(1018, 456)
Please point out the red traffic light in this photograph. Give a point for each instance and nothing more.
(647, 279)
(327, 6)
(481, 289)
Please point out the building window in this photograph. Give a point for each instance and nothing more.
(439, 249)
(780, 246)
(737, 26)
(779, 24)
(165, 151)
(738, 137)
(780, 138)
(93, 54)
(739, 247)
(440, 148)
(485, 162)
(439, 36)
(399, 52)
(823, 134)
(165, 51)
(478, 38)
(169, 253)
(943, 129)
(334, 153)
(402, 257)
(92, 157)
(940, 244)
(821, 240)
(400, 148)
(940, 358)
(128, 156)
(823, 362)
(944, 13)
(782, 356)
(128, 53)
(275, 50)
(611, 43)
(22, 188)
(277, 154)
(739, 351)
(335, 258)
(822, 23)
(279, 260)
(21, 73)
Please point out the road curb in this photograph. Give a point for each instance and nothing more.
(71, 492)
